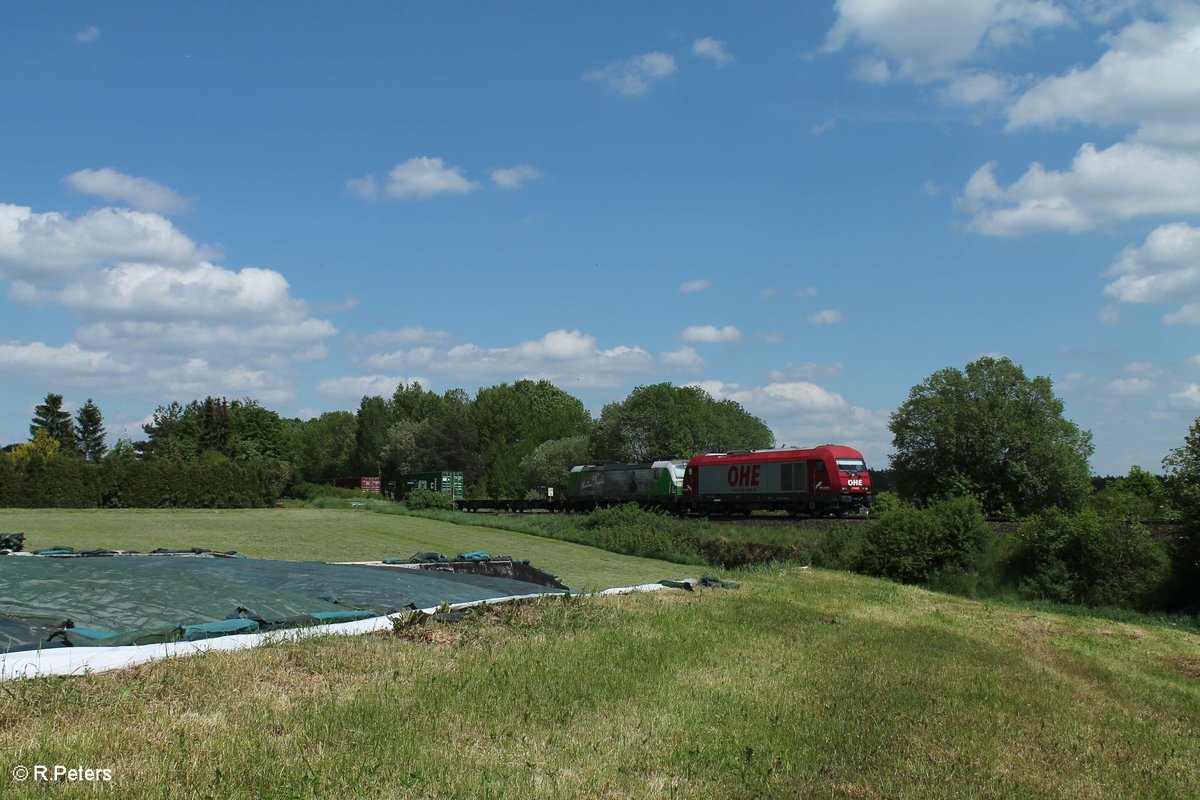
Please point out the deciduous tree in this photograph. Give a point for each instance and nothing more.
(993, 433)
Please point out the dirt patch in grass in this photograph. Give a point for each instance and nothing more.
(1188, 666)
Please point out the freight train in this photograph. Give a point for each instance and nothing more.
(830, 479)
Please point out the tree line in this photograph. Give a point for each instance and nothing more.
(507, 440)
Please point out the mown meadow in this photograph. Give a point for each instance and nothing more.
(800, 683)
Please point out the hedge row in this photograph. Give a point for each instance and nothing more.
(68, 482)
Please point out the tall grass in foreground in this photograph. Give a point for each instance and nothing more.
(804, 683)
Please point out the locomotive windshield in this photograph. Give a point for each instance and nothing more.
(851, 465)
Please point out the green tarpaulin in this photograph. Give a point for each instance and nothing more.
(48, 602)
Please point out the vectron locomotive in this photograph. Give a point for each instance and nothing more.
(830, 479)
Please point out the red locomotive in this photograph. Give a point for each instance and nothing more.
(830, 479)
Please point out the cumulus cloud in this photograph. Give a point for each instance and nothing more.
(69, 361)
(713, 50)
(348, 387)
(830, 316)
(117, 187)
(148, 291)
(688, 287)
(184, 336)
(1165, 269)
(571, 358)
(928, 39)
(365, 187)
(407, 335)
(514, 177)
(45, 246)
(710, 334)
(1187, 397)
(426, 177)
(88, 35)
(977, 88)
(685, 359)
(1121, 182)
(634, 76)
(416, 178)
(1127, 386)
(775, 397)
(1149, 76)
(811, 369)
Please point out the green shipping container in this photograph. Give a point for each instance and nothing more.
(449, 483)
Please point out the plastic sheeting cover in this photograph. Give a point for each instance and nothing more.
(138, 599)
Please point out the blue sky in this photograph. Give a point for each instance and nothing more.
(805, 207)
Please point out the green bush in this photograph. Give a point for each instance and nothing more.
(419, 499)
(1087, 559)
(634, 530)
(839, 548)
(912, 544)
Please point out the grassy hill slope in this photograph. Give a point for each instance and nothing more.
(801, 683)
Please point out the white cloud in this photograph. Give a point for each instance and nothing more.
(356, 386)
(191, 336)
(409, 335)
(811, 369)
(1131, 386)
(515, 177)
(810, 291)
(88, 35)
(571, 358)
(775, 397)
(926, 39)
(823, 127)
(871, 70)
(68, 361)
(51, 245)
(1109, 315)
(830, 316)
(685, 359)
(426, 177)
(1164, 270)
(977, 88)
(117, 187)
(635, 76)
(1149, 76)
(365, 187)
(711, 334)
(1187, 397)
(205, 291)
(402, 359)
(688, 287)
(714, 50)
(1121, 182)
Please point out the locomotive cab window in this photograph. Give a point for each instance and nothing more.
(852, 465)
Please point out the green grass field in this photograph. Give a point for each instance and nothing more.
(306, 534)
(803, 683)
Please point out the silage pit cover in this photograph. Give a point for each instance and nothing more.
(48, 602)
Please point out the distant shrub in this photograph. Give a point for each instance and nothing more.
(633, 530)
(1087, 559)
(420, 499)
(302, 490)
(884, 502)
(912, 544)
(839, 548)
